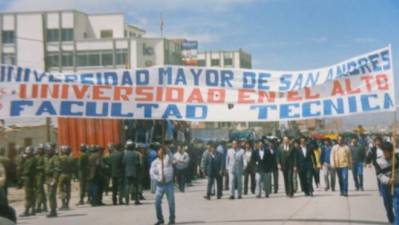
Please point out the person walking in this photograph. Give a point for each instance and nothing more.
(162, 172)
(305, 161)
(235, 166)
(41, 203)
(67, 166)
(358, 156)
(83, 173)
(342, 161)
(325, 160)
(181, 160)
(261, 158)
(287, 164)
(131, 163)
(249, 170)
(52, 171)
(214, 168)
(28, 173)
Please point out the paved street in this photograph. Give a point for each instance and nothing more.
(325, 208)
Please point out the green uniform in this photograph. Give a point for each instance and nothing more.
(28, 172)
(41, 200)
(20, 162)
(67, 165)
(117, 176)
(83, 175)
(52, 171)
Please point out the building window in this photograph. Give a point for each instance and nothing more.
(67, 59)
(106, 34)
(8, 58)
(201, 62)
(148, 50)
(52, 60)
(67, 34)
(215, 62)
(121, 57)
(8, 37)
(53, 35)
(94, 59)
(228, 61)
(107, 58)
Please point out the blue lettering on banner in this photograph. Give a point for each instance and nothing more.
(148, 109)
(365, 99)
(385, 56)
(91, 109)
(226, 77)
(249, 80)
(286, 111)
(333, 108)
(285, 80)
(388, 103)
(18, 106)
(165, 73)
(172, 111)
(307, 109)
(116, 111)
(263, 110)
(192, 109)
(126, 78)
(142, 77)
(46, 108)
(180, 77)
(212, 78)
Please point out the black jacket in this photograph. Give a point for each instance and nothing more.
(267, 164)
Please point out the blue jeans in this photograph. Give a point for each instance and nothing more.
(168, 189)
(357, 171)
(343, 180)
(385, 191)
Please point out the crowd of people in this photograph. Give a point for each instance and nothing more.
(46, 172)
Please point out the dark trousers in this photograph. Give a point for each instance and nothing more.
(117, 190)
(385, 191)
(357, 172)
(249, 176)
(131, 187)
(93, 192)
(211, 181)
(226, 181)
(181, 179)
(316, 173)
(306, 179)
(275, 180)
(288, 175)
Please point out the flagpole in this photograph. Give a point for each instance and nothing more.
(161, 24)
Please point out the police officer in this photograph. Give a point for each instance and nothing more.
(67, 168)
(52, 171)
(28, 172)
(131, 163)
(40, 179)
(83, 172)
(115, 160)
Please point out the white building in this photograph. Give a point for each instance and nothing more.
(226, 59)
(71, 40)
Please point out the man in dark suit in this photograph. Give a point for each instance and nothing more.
(131, 162)
(287, 163)
(214, 168)
(264, 162)
(305, 162)
(117, 172)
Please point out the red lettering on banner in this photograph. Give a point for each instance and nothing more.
(216, 95)
(195, 96)
(122, 93)
(308, 94)
(349, 89)
(264, 96)
(145, 94)
(367, 80)
(45, 90)
(293, 96)
(244, 96)
(337, 88)
(98, 93)
(35, 91)
(382, 82)
(22, 91)
(159, 94)
(174, 94)
(79, 91)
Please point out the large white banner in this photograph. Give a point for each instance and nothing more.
(363, 84)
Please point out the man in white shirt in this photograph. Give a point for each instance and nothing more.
(235, 166)
(181, 160)
(162, 172)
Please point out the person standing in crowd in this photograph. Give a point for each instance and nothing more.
(274, 149)
(141, 171)
(287, 164)
(5, 210)
(28, 173)
(328, 171)
(52, 171)
(41, 203)
(305, 160)
(317, 153)
(152, 155)
(83, 172)
(358, 156)
(94, 176)
(162, 172)
(263, 170)
(181, 160)
(67, 170)
(235, 165)
(214, 168)
(342, 161)
(375, 152)
(383, 168)
(249, 171)
(131, 163)
(115, 159)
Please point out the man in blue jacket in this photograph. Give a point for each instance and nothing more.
(214, 168)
